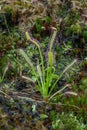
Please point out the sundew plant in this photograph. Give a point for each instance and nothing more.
(46, 77)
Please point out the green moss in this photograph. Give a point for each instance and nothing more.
(83, 84)
(68, 122)
(84, 34)
(76, 28)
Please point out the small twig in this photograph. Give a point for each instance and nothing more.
(6, 24)
(4, 93)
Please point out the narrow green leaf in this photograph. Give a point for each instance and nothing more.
(32, 40)
(26, 58)
(39, 70)
(40, 74)
(43, 116)
(0, 79)
(53, 37)
(50, 58)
